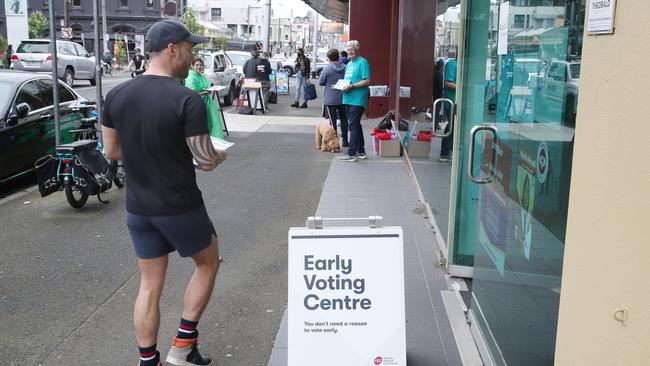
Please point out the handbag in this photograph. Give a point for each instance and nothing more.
(403, 125)
(386, 123)
(311, 92)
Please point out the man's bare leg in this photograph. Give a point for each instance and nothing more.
(146, 312)
(199, 289)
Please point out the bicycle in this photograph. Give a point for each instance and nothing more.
(108, 70)
(80, 168)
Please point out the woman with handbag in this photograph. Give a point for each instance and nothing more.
(199, 83)
(303, 65)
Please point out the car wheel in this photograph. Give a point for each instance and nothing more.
(93, 81)
(227, 99)
(68, 77)
(288, 69)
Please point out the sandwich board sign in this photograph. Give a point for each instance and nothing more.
(346, 297)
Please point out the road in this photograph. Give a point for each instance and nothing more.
(68, 278)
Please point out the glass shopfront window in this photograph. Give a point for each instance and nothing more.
(520, 73)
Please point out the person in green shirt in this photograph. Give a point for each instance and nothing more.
(198, 82)
(355, 100)
(449, 92)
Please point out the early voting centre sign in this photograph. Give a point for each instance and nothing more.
(346, 297)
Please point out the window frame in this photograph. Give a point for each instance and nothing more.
(120, 6)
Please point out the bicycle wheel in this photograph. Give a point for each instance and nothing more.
(75, 197)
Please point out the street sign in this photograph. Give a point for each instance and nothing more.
(67, 32)
(346, 297)
(601, 16)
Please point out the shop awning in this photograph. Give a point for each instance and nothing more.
(214, 29)
(336, 10)
(339, 10)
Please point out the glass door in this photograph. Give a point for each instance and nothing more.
(519, 89)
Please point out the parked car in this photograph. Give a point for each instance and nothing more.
(74, 62)
(221, 71)
(239, 58)
(321, 64)
(558, 84)
(27, 120)
(289, 64)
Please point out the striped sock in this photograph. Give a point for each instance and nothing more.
(187, 329)
(149, 356)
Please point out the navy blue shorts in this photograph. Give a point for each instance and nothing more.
(156, 236)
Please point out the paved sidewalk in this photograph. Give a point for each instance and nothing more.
(382, 186)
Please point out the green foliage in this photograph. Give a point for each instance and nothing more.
(38, 25)
(220, 42)
(189, 19)
(121, 52)
(3, 50)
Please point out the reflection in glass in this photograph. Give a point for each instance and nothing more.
(521, 72)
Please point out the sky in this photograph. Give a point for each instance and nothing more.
(282, 8)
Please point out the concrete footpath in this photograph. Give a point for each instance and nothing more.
(383, 186)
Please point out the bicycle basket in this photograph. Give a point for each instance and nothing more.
(93, 173)
(47, 175)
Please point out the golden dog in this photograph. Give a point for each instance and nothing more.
(326, 137)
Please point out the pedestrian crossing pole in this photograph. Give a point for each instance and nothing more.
(98, 67)
(55, 76)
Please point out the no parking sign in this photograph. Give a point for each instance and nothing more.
(346, 297)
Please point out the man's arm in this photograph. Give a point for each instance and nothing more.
(204, 152)
(450, 85)
(358, 84)
(111, 143)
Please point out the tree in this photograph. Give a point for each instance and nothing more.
(38, 25)
(190, 22)
(189, 19)
(3, 49)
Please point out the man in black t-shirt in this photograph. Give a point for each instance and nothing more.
(156, 126)
(138, 62)
(262, 75)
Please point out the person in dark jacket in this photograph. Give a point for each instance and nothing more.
(333, 108)
(302, 78)
(262, 75)
(438, 87)
(344, 58)
(250, 66)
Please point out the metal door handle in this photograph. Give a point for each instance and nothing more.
(470, 158)
(451, 120)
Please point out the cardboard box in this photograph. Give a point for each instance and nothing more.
(419, 149)
(390, 148)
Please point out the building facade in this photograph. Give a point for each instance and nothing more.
(535, 209)
(124, 18)
(242, 17)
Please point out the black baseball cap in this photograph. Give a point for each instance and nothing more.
(169, 31)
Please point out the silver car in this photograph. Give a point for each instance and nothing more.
(74, 62)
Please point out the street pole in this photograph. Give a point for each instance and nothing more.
(55, 76)
(266, 25)
(66, 13)
(315, 44)
(291, 33)
(104, 29)
(98, 66)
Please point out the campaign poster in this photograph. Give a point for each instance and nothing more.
(525, 197)
(15, 7)
(273, 85)
(282, 80)
(493, 206)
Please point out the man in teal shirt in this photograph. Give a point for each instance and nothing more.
(355, 100)
(450, 93)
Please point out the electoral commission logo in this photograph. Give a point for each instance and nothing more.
(379, 360)
(542, 162)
